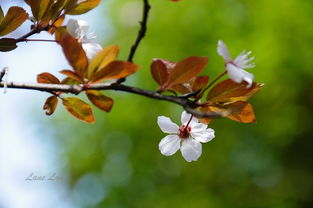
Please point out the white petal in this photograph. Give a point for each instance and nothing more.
(167, 126)
(239, 75)
(204, 136)
(169, 145)
(91, 49)
(185, 117)
(77, 28)
(191, 149)
(223, 51)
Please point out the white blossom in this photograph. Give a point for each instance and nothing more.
(187, 137)
(79, 29)
(235, 68)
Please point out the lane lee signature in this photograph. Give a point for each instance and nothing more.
(51, 177)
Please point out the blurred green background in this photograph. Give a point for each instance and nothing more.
(116, 162)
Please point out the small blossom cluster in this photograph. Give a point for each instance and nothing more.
(189, 136)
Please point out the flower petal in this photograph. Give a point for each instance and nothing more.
(191, 149)
(185, 117)
(77, 28)
(223, 51)
(169, 145)
(167, 126)
(204, 136)
(91, 49)
(198, 127)
(238, 75)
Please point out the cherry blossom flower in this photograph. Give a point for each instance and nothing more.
(78, 29)
(187, 137)
(235, 68)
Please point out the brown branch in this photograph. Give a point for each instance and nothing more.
(183, 101)
(142, 31)
(32, 32)
(2, 73)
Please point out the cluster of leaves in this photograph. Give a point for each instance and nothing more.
(46, 15)
(102, 67)
(227, 97)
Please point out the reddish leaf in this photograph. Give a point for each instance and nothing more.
(200, 82)
(242, 112)
(72, 75)
(57, 24)
(192, 85)
(101, 101)
(106, 56)
(52, 13)
(114, 70)
(74, 53)
(47, 78)
(205, 110)
(50, 105)
(12, 20)
(159, 71)
(183, 88)
(83, 7)
(69, 81)
(79, 109)
(230, 91)
(185, 70)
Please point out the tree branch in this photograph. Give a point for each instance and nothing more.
(142, 31)
(183, 101)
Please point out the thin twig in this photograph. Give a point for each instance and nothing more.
(141, 33)
(187, 104)
(32, 32)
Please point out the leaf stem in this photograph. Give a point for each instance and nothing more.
(210, 84)
(34, 40)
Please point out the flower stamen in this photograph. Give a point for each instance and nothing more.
(184, 132)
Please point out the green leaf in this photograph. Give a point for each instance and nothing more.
(7, 44)
(47, 78)
(185, 70)
(50, 105)
(1, 14)
(230, 91)
(103, 58)
(79, 109)
(12, 20)
(53, 11)
(39, 7)
(74, 53)
(101, 101)
(82, 7)
(115, 70)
